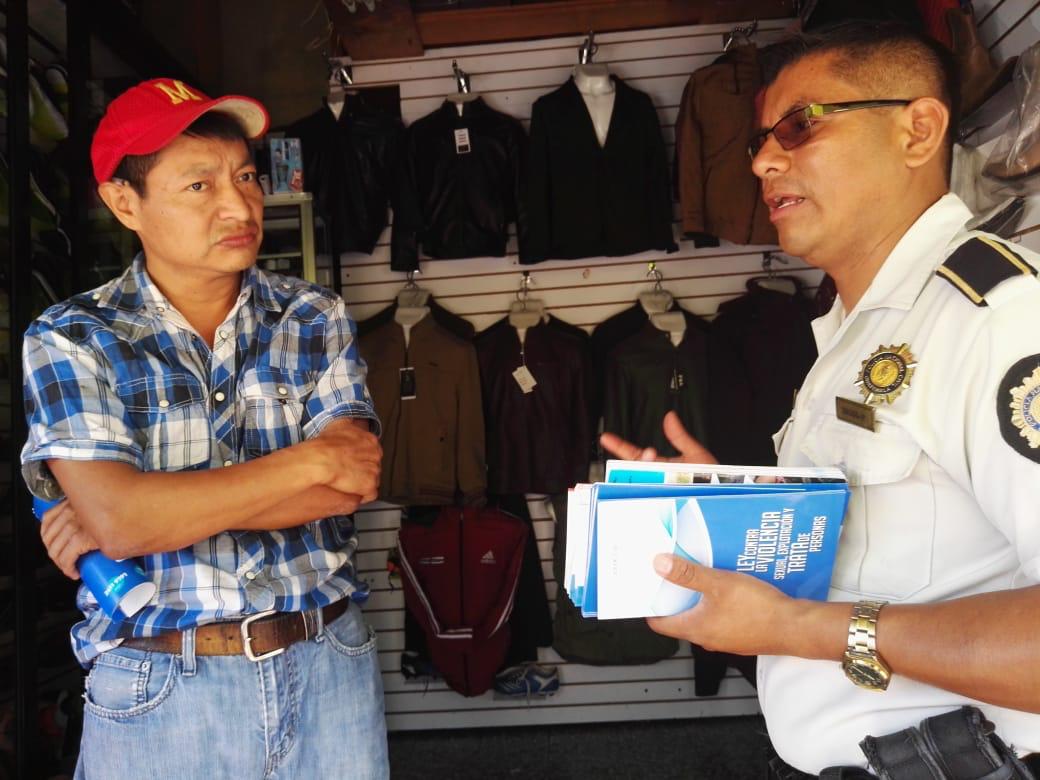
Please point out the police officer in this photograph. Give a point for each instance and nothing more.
(926, 392)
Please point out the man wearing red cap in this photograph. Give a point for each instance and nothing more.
(211, 421)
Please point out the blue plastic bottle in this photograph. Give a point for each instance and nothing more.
(118, 586)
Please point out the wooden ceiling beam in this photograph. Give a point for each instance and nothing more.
(572, 17)
(385, 33)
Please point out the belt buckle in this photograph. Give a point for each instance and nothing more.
(247, 641)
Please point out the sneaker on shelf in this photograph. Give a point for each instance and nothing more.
(528, 680)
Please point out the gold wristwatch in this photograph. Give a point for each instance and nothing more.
(861, 663)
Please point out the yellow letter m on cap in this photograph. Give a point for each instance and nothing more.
(177, 92)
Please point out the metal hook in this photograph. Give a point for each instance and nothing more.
(461, 77)
(767, 263)
(410, 284)
(344, 74)
(745, 32)
(588, 49)
(655, 272)
(525, 287)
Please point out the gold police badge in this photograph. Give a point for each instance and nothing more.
(1025, 408)
(886, 374)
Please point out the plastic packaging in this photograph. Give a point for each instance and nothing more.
(1015, 160)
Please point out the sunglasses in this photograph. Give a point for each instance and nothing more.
(795, 128)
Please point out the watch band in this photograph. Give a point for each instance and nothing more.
(863, 627)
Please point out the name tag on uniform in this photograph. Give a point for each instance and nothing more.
(854, 413)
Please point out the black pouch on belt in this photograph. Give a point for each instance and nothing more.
(958, 745)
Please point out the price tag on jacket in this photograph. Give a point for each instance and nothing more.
(462, 141)
(407, 383)
(525, 379)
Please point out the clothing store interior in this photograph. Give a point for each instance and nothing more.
(542, 219)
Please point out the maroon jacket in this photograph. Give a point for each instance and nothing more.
(460, 577)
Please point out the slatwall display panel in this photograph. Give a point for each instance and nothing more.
(583, 292)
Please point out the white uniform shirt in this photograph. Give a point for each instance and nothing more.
(942, 505)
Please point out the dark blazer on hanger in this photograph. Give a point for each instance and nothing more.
(585, 200)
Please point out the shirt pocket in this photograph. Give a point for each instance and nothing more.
(169, 412)
(888, 537)
(274, 409)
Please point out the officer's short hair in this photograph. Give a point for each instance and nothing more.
(877, 56)
(134, 168)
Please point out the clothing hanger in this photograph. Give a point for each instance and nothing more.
(586, 69)
(412, 296)
(658, 305)
(463, 94)
(744, 32)
(658, 300)
(782, 284)
(411, 306)
(338, 62)
(526, 312)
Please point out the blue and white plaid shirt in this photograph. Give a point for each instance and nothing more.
(118, 374)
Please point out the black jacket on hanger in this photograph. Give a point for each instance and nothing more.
(606, 337)
(648, 376)
(761, 347)
(459, 185)
(348, 164)
(585, 200)
(537, 442)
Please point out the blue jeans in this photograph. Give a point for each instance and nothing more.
(315, 711)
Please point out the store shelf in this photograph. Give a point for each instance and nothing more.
(301, 223)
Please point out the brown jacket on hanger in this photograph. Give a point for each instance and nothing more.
(433, 444)
(719, 195)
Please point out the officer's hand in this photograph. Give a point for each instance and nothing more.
(690, 450)
(351, 458)
(65, 539)
(737, 613)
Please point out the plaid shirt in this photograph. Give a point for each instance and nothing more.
(118, 374)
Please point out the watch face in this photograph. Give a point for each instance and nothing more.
(866, 673)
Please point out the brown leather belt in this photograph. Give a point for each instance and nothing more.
(259, 636)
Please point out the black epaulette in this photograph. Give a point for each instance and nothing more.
(978, 265)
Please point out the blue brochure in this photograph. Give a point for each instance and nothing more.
(780, 525)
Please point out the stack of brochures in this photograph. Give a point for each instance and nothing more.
(778, 524)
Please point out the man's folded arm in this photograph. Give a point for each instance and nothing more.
(131, 513)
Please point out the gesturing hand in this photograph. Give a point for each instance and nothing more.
(690, 450)
(65, 539)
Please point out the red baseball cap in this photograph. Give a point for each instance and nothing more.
(147, 117)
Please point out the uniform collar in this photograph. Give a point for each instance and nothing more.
(914, 259)
(907, 269)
